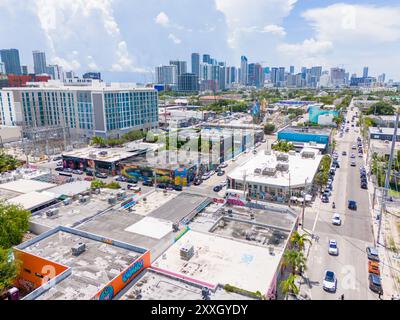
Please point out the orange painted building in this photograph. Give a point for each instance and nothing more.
(36, 271)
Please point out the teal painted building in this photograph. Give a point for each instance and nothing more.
(315, 111)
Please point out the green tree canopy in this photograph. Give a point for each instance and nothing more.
(98, 141)
(298, 240)
(269, 128)
(8, 162)
(381, 108)
(14, 222)
(289, 285)
(9, 268)
(97, 184)
(283, 146)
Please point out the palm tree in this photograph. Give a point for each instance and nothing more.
(298, 240)
(301, 262)
(295, 260)
(289, 285)
(98, 141)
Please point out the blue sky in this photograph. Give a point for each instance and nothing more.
(126, 39)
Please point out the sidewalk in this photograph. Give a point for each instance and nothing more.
(390, 264)
(304, 287)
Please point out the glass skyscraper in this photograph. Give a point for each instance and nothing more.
(39, 62)
(10, 58)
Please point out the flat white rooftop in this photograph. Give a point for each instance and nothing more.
(219, 260)
(151, 227)
(25, 185)
(70, 189)
(113, 154)
(33, 200)
(300, 169)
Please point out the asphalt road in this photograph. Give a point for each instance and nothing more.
(353, 236)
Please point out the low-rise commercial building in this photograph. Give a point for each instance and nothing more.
(276, 176)
(301, 135)
(383, 134)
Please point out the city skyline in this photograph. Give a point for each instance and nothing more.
(349, 34)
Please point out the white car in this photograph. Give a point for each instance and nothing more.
(223, 165)
(354, 147)
(330, 281)
(336, 219)
(353, 163)
(333, 248)
(205, 177)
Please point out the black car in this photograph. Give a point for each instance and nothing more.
(131, 180)
(148, 183)
(352, 205)
(177, 187)
(89, 173)
(59, 169)
(364, 186)
(217, 188)
(375, 283)
(162, 186)
(220, 173)
(197, 182)
(336, 164)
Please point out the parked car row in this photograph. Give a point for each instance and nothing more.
(374, 280)
(363, 177)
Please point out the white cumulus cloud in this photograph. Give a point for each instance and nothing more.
(252, 15)
(348, 23)
(309, 52)
(162, 19)
(275, 29)
(174, 38)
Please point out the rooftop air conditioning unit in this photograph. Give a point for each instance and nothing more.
(112, 200)
(187, 252)
(84, 199)
(284, 167)
(269, 171)
(78, 249)
(52, 212)
(175, 227)
(292, 153)
(267, 152)
(282, 157)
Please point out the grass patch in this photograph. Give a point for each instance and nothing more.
(230, 288)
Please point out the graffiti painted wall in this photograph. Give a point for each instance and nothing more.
(124, 278)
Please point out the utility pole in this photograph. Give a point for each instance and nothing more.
(387, 179)
(304, 204)
(289, 191)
